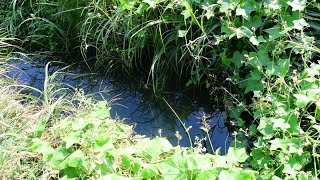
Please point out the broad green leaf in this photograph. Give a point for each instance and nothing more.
(72, 138)
(275, 32)
(317, 127)
(59, 157)
(41, 125)
(74, 162)
(278, 144)
(260, 158)
(283, 67)
(151, 3)
(258, 60)
(300, 24)
(126, 162)
(149, 172)
(293, 121)
(209, 10)
(75, 159)
(113, 177)
(245, 11)
(71, 173)
(273, 4)
(142, 8)
(100, 141)
(226, 5)
(79, 124)
(265, 127)
(105, 147)
(243, 32)
(237, 175)
(208, 174)
(137, 165)
(182, 33)
(280, 123)
(101, 110)
(238, 59)
(256, 41)
(42, 147)
(237, 155)
(225, 60)
(253, 85)
(186, 14)
(126, 4)
(254, 22)
(302, 100)
(297, 5)
(192, 164)
(173, 168)
(156, 147)
(292, 167)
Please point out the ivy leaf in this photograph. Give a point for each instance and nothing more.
(173, 168)
(182, 33)
(238, 59)
(297, 5)
(186, 14)
(151, 3)
(292, 167)
(126, 4)
(42, 147)
(254, 22)
(281, 124)
(156, 147)
(225, 60)
(75, 159)
(302, 100)
(149, 171)
(59, 157)
(300, 24)
(266, 128)
(253, 85)
(278, 144)
(71, 139)
(260, 158)
(137, 164)
(241, 174)
(248, 7)
(275, 32)
(41, 125)
(126, 162)
(208, 174)
(80, 123)
(226, 5)
(273, 4)
(243, 32)
(243, 12)
(283, 67)
(237, 155)
(256, 41)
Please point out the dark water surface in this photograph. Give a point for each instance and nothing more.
(138, 104)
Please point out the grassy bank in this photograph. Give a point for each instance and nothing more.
(263, 56)
(60, 140)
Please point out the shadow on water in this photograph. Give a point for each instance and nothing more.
(138, 105)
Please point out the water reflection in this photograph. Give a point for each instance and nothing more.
(137, 105)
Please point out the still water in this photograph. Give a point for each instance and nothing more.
(137, 104)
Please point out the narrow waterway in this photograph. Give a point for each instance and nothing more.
(137, 104)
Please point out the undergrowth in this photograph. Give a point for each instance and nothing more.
(60, 140)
